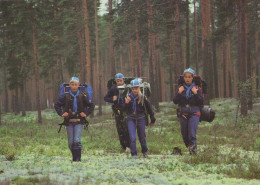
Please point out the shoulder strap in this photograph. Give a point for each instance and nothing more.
(81, 108)
(67, 102)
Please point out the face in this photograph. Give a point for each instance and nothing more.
(120, 81)
(188, 77)
(135, 90)
(74, 86)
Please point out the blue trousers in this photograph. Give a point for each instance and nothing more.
(189, 127)
(74, 136)
(137, 122)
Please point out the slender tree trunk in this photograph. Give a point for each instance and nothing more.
(138, 47)
(256, 47)
(170, 63)
(87, 42)
(98, 65)
(111, 40)
(187, 35)
(22, 92)
(132, 58)
(214, 51)
(242, 54)
(178, 45)
(81, 58)
(6, 104)
(196, 38)
(121, 58)
(36, 73)
(248, 58)
(151, 53)
(205, 45)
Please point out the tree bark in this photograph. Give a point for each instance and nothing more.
(242, 54)
(214, 52)
(36, 73)
(87, 42)
(111, 40)
(187, 35)
(205, 46)
(196, 37)
(6, 103)
(98, 65)
(256, 47)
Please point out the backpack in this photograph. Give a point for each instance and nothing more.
(112, 81)
(207, 113)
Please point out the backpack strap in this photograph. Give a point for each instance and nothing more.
(66, 108)
(81, 107)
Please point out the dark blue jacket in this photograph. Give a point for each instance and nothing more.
(113, 91)
(194, 100)
(140, 109)
(87, 105)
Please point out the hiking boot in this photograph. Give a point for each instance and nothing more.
(192, 149)
(145, 155)
(77, 155)
(134, 156)
(73, 155)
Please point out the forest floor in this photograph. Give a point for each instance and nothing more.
(228, 150)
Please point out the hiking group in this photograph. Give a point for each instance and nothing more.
(132, 110)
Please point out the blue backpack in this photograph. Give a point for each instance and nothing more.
(83, 88)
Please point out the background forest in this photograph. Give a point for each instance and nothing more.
(43, 43)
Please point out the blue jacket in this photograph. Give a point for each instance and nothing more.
(87, 105)
(194, 100)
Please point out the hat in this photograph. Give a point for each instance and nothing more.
(189, 70)
(119, 76)
(135, 83)
(74, 79)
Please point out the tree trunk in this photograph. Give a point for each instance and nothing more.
(214, 52)
(138, 47)
(98, 65)
(205, 46)
(187, 35)
(22, 89)
(151, 53)
(170, 63)
(256, 48)
(132, 58)
(242, 54)
(6, 103)
(81, 58)
(36, 73)
(196, 38)
(248, 59)
(87, 42)
(111, 40)
(178, 45)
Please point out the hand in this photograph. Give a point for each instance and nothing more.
(82, 114)
(181, 89)
(127, 100)
(65, 114)
(194, 90)
(114, 98)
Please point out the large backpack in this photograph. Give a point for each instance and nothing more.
(207, 113)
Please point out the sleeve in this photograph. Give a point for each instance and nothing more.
(178, 98)
(59, 104)
(89, 106)
(198, 98)
(109, 96)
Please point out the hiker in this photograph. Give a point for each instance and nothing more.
(79, 106)
(137, 106)
(113, 96)
(189, 99)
